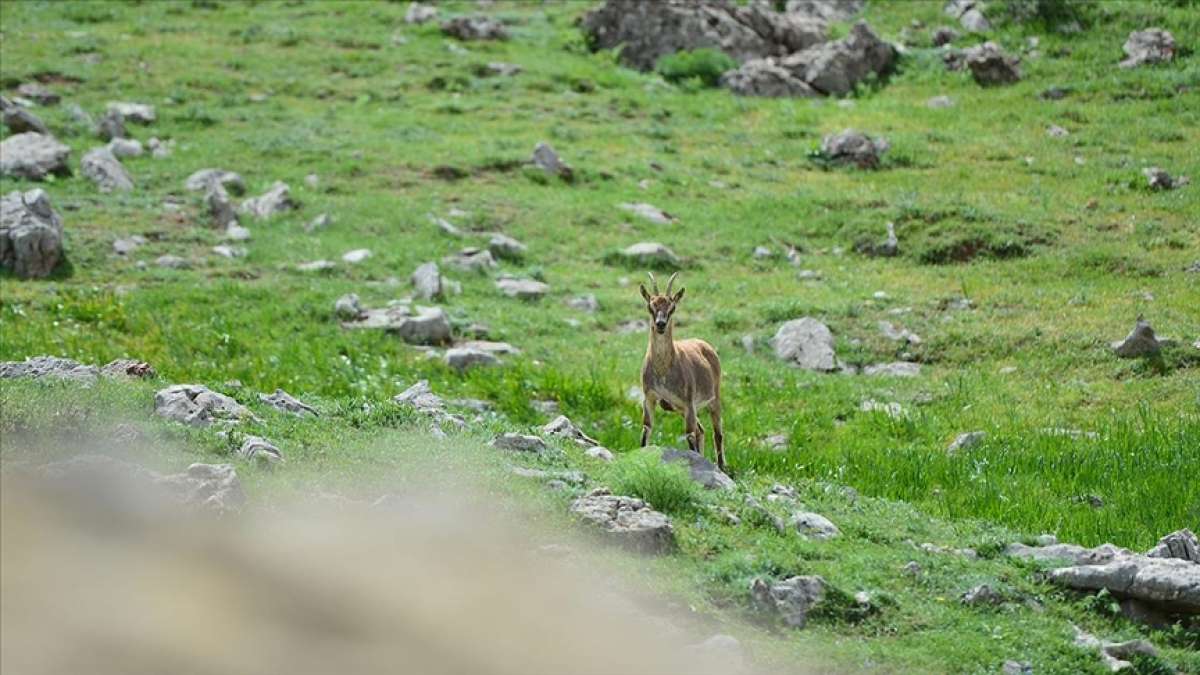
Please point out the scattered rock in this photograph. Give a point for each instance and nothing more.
(275, 200)
(197, 405)
(260, 450)
(546, 159)
(1114, 654)
(474, 28)
(939, 102)
(349, 308)
(1153, 45)
(429, 326)
(1016, 668)
(231, 252)
(204, 179)
(894, 369)
(651, 254)
(53, 367)
(814, 525)
(1055, 131)
(792, 598)
(111, 126)
(1141, 341)
(471, 260)
(160, 149)
(603, 454)
(500, 69)
(702, 471)
(1069, 553)
(125, 147)
(898, 334)
(627, 521)
(521, 443)
(777, 442)
(981, 595)
(138, 113)
(892, 409)
(427, 280)
(648, 212)
(1170, 585)
(285, 402)
(235, 232)
(220, 208)
(356, 256)
(38, 92)
(563, 427)
(1181, 544)
(806, 343)
(321, 222)
(19, 120)
(31, 234)
(584, 303)
(33, 156)
(853, 147)
(1158, 179)
(553, 479)
(766, 78)
(647, 31)
(316, 266)
(944, 35)
(966, 441)
(106, 171)
(172, 262)
(835, 68)
(522, 289)
(499, 349)
(422, 399)
(505, 247)
(465, 358)
(970, 14)
(419, 13)
(991, 66)
(127, 245)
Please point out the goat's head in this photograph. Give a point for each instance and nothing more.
(661, 305)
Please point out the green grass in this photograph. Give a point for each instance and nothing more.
(1055, 241)
(667, 487)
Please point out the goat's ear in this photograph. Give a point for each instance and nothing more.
(678, 296)
(646, 295)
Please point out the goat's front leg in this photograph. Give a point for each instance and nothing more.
(691, 428)
(648, 403)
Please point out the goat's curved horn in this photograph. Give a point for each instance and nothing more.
(671, 282)
(653, 282)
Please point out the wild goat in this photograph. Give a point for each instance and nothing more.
(681, 376)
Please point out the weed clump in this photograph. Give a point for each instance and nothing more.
(667, 487)
(696, 68)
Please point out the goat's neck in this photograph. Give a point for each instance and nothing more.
(662, 349)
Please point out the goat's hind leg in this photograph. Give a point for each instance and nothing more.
(714, 413)
(647, 418)
(693, 430)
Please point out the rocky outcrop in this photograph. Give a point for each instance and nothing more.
(419, 326)
(276, 200)
(31, 234)
(806, 343)
(835, 68)
(33, 156)
(197, 405)
(475, 28)
(38, 367)
(992, 66)
(766, 78)
(626, 521)
(648, 31)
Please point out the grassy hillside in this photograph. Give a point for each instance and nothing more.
(1056, 242)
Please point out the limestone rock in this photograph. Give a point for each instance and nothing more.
(106, 171)
(204, 179)
(853, 147)
(275, 200)
(260, 450)
(990, 65)
(701, 470)
(33, 156)
(505, 247)
(806, 343)
(285, 402)
(814, 525)
(651, 254)
(31, 234)
(627, 521)
(1153, 45)
(546, 159)
(197, 405)
(1141, 341)
(563, 427)
(522, 289)
(427, 281)
(465, 358)
(793, 598)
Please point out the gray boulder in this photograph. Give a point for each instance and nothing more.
(421, 398)
(521, 443)
(220, 208)
(702, 471)
(38, 367)
(1114, 655)
(466, 358)
(197, 405)
(970, 14)
(33, 156)
(806, 343)
(111, 125)
(348, 308)
(1153, 45)
(991, 66)
(1181, 544)
(650, 254)
(138, 113)
(853, 147)
(522, 289)
(125, 147)
(275, 200)
(172, 262)
(1141, 341)
(563, 427)
(19, 120)
(648, 31)
(981, 595)
(427, 281)
(766, 78)
(419, 13)
(505, 247)
(127, 245)
(835, 68)
(285, 402)
(256, 449)
(38, 93)
(474, 28)
(626, 521)
(430, 326)
(1066, 553)
(648, 212)
(966, 441)
(793, 598)
(1171, 585)
(546, 159)
(31, 234)
(814, 525)
(471, 259)
(106, 171)
(204, 179)
(893, 369)
(825, 10)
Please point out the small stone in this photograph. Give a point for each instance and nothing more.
(348, 308)
(981, 595)
(138, 113)
(427, 281)
(1016, 668)
(285, 402)
(1055, 131)
(701, 470)
(523, 289)
(894, 369)
(471, 260)
(546, 159)
(521, 443)
(814, 525)
(648, 212)
(651, 254)
(474, 28)
(38, 92)
(966, 441)
(584, 303)
(272, 202)
(172, 262)
(197, 405)
(127, 245)
(892, 409)
(419, 13)
(260, 450)
(991, 66)
(125, 147)
(1159, 179)
(505, 247)
(19, 120)
(235, 232)
(853, 147)
(792, 598)
(316, 266)
(231, 252)
(601, 453)
(356, 256)
(321, 222)
(111, 126)
(462, 359)
(1140, 342)
(106, 171)
(940, 102)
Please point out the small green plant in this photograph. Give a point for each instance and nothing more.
(667, 487)
(704, 66)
